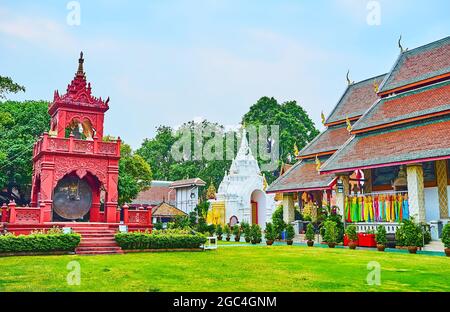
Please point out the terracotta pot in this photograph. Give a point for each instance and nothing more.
(331, 245)
(289, 242)
(269, 242)
(237, 238)
(352, 244)
(447, 251)
(380, 247)
(412, 249)
(310, 243)
(228, 239)
(219, 237)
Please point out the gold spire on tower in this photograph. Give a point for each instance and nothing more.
(211, 192)
(80, 65)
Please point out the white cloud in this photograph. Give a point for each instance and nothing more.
(36, 30)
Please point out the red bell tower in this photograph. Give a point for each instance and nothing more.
(74, 169)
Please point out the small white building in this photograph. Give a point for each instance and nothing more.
(187, 193)
(242, 191)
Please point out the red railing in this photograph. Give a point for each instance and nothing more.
(47, 143)
(139, 216)
(22, 215)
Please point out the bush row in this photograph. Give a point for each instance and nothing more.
(39, 242)
(142, 240)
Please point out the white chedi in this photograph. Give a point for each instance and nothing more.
(243, 189)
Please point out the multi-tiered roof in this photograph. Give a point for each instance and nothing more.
(411, 120)
(304, 176)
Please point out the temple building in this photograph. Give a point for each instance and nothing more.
(384, 155)
(75, 172)
(401, 144)
(303, 179)
(241, 195)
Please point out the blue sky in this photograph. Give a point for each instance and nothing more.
(167, 62)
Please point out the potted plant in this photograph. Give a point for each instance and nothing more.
(227, 231)
(219, 232)
(380, 238)
(446, 239)
(290, 234)
(413, 236)
(331, 233)
(269, 234)
(246, 230)
(309, 235)
(255, 234)
(236, 233)
(352, 236)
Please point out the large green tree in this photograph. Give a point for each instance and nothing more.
(295, 126)
(21, 123)
(7, 85)
(135, 174)
(158, 152)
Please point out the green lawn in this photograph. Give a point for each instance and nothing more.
(276, 268)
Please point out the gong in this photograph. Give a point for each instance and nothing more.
(72, 198)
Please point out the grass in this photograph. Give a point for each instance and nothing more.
(276, 268)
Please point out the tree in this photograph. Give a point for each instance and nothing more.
(7, 85)
(21, 123)
(158, 153)
(135, 174)
(295, 126)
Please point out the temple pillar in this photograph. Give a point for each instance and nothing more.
(46, 190)
(416, 197)
(112, 194)
(343, 189)
(367, 180)
(288, 207)
(442, 178)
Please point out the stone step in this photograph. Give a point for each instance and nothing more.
(97, 252)
(97, 244)
(98, 248)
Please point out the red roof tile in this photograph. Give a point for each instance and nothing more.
(356, 100)
(405, 144)
(155, 195)
(407, 105)
(420, 64)
(329, 140)
(302, 176)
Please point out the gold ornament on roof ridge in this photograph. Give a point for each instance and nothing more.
(349, 124)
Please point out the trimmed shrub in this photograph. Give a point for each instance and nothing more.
(409, 234)
(255, 234)
(446, 235)
(380, 236)
(39, 242)
(159, 240)
(350, 231)
(331, 232)
(309, 234)
(269, 232)
(290, 232)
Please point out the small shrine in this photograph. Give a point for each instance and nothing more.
(241, 195)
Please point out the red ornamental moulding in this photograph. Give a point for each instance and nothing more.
(97, 167)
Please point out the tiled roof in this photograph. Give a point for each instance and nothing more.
(412, 104)
(166, 210)
(357, 98)
(329, 140)
(419, 64)
(188, 182)
(155, 195)
(302, 176)
(401, 144)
